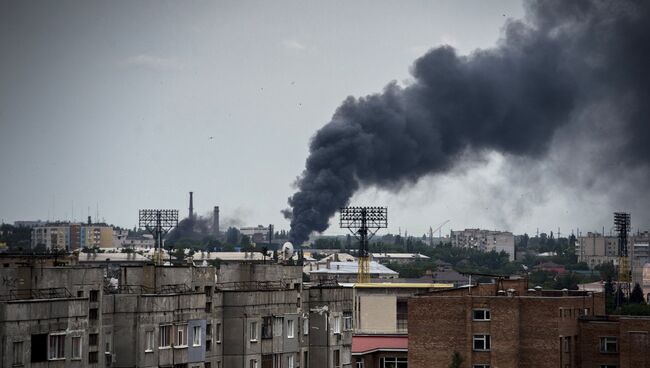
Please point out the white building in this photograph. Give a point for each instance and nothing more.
(485, 240)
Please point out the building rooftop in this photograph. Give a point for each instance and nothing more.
(399, 256)
(364, 344)
(348, 268)
(112, 257)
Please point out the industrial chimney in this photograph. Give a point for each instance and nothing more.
(191, 215)
(215, 222)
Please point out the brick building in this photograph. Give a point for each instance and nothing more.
(503, 325)
(613, 341)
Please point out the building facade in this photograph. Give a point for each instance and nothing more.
(485, 240)
(72, 236)
(498, 325)
(250, 315)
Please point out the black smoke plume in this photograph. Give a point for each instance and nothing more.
(550, 71)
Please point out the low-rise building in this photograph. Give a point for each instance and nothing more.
(503, 324)
(346, 271)
(400, 258)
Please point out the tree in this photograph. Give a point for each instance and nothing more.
(232, 235)
(637, 295)
(609, 296)
(245, 241)
(456, 360)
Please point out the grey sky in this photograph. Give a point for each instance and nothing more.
(128, 105)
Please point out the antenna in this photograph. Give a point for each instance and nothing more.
(363, 223)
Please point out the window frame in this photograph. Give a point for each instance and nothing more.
(485, 338)
(305, 326)
(487, 316)
(149, 341)
(291, 360)
(347, 322)
(18, 357)
(607, 340)
(252, 332)
(290, 328)
(196, 337)
(481, 366)
(336, 324)
(58, 336)
(217, 332)
(72, 347)
(166, 338)
(181, 336)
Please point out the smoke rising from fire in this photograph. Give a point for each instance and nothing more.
(578, 65)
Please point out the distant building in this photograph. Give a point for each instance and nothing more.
(257, 234)
(345, 271)
(400, 258)
(485, 240)
(595, 249)
(29, 223)
(72, 236)
(145, 241)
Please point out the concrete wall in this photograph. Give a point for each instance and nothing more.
(377, 313)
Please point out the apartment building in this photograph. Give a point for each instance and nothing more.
(485, 240)
(250, 315)
(503, 325)
(72, 236)
(613, 341)
(595, 249)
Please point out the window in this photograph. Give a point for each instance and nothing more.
(337, 358)
(290, 332)
(18, 353)
(358, 363)
(481, 314)
(92, 339)
(208, 330)
(481, 366)
(481, 342)
(347, 321)
(253, 363)
(607, 366)
(181, 335)
(566, 344)
(290, 361)
(76, 347)
(39, 348)
(92, 357)
(305, 326)
(80, 293)
(56, 346)
(267, 327)
(208, 345)
(92, 314)
(277, 326)
(305, 359)
(401, 311)
(165, 336)
(107, 346)
(253, 334)
(148, 341)
(393, 362)
(336, 324)
(94, 295)
(608, 345)
(196, 337)
(217, 332)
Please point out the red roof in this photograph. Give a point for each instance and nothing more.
(368, 344)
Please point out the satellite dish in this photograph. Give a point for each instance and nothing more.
(287, 250)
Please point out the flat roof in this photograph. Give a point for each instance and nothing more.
(397, 285)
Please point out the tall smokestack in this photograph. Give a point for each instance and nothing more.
(570, 66)
(191, 215)
(215, 221)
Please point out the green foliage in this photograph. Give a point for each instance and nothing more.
(456, 360)
(232, 235)
(245, 241)
(636, 297)
(610, 303)
(635, 310)
(17, 238)
(607, 270)
(327, 243)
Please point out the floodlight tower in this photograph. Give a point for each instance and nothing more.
(158, 223)
(622, 224)
(363, 223)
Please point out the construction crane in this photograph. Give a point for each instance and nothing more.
(363, 223)
(431, 231)
(622, 224)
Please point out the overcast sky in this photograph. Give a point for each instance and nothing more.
(111, 107)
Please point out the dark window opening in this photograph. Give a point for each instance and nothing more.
(39, 348)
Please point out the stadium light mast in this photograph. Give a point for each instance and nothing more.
(363, 223)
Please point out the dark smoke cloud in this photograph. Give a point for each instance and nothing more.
(549, 73)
